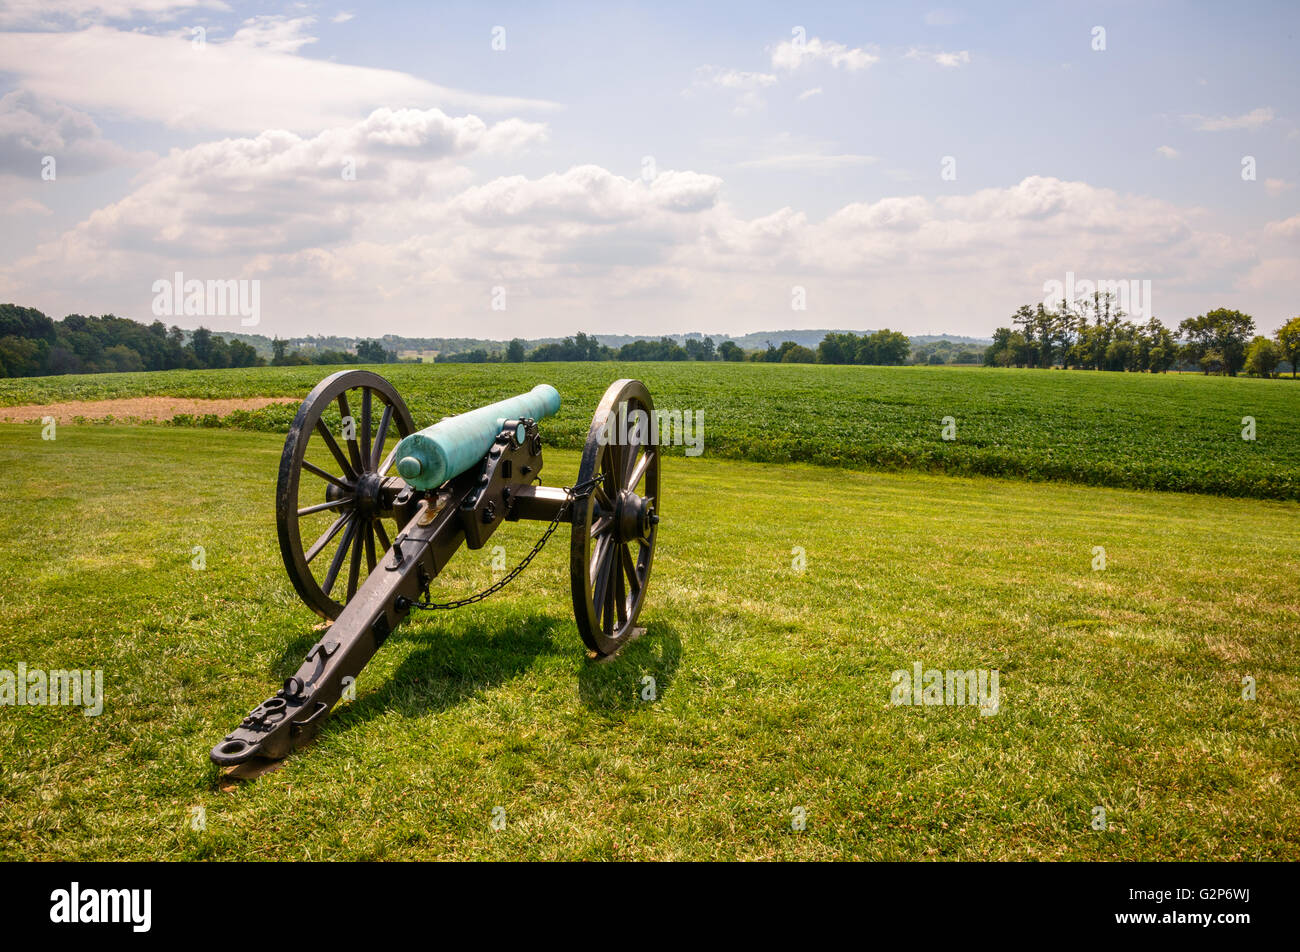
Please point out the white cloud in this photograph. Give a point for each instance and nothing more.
(281, 193)
(809, 93)
(732, 78)
(792, 54)
(948, 60)
(1255, 119)
(245, 85)
(32, 127)
(569, 245)
(1276, 186)
(276, 33)
(1168, 151)
(343, 16)
(25, 206)
(1288, 229)
(585, 194)
(747, 86)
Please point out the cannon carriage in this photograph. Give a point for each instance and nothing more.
(369, 511)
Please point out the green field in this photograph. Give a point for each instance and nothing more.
(1143, 431)
(1120, 688)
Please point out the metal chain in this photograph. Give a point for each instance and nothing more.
(572, 492)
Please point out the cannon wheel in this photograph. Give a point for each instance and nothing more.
(616, 523)
(341, 503)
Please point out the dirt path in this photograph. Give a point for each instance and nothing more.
(133, 408)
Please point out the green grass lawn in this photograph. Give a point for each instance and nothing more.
(1179, 432)
(1120, 688)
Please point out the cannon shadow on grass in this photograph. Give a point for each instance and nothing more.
(449, 668)
(452, 666)
(614, 686)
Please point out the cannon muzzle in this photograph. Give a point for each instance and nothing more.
(432, 456)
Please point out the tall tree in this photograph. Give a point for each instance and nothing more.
(1288, 341)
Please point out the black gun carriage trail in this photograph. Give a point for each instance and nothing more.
(369, 511)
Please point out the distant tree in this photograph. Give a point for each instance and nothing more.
(122, 359)
(993, 354)
(19, 356)
(1262, 357)
(580, 346)
(663, 349)
(515, 351)
(202, 347)
(1288, 341)
(891, 348)
(1024, 320)
(1217, 339)
(476, 356)
(697, 349)
(374, 352)
(278, 350)
(244, 355)
(730, 350)
(799, 355)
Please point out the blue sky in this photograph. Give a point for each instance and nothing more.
(648, 168)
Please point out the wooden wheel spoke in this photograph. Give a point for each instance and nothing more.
(602, 564)
(610, 586)
(620, 587)
(597, 557)
(381, 435)
(328, 437)
(382, 534)
(354, 451)
(328, 477)
(389, 460)
(329, 533)
(613, 469)
(365, 428)
(337, 562)
(639, 471)
(370, 547)
(629, 567)
(322, 506)
(630, 454)
(602, 498)
(602, 525)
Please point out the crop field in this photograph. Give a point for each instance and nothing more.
(783, 599)
(1142, 431)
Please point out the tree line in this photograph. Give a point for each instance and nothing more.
(32, 344)
(1094, 334)
(881, 347)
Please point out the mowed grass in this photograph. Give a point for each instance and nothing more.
(1120, 688)
(1174, 432)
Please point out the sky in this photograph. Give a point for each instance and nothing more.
(535, 169)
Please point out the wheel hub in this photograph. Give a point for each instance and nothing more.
(368, 492)
(634, 516)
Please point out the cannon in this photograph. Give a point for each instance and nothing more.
(369, 511)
